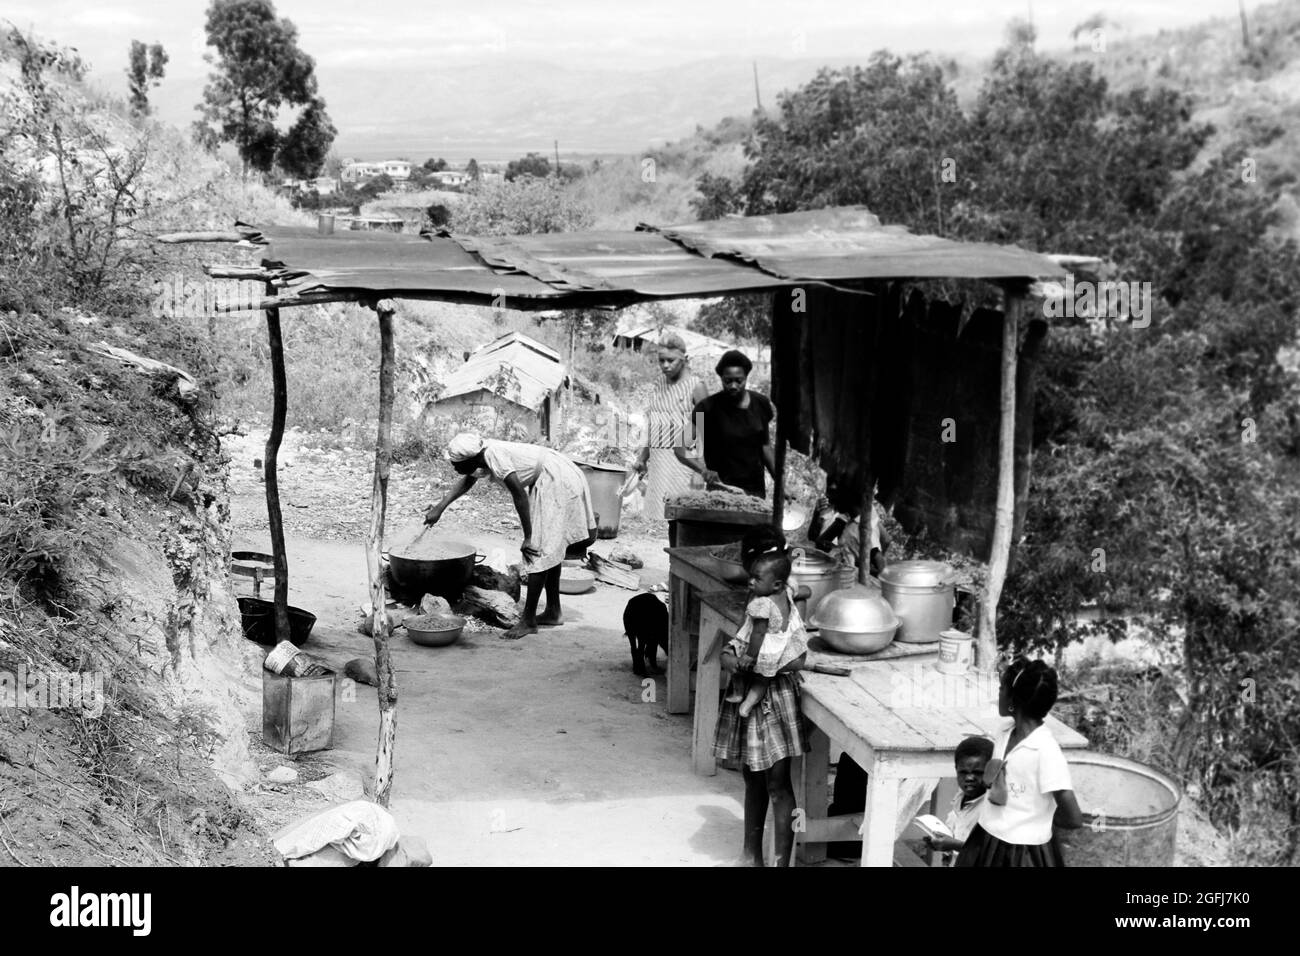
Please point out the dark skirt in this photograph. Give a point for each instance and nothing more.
(774, 730)
(984, 849)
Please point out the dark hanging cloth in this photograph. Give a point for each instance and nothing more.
(734, 439)
(899, 384)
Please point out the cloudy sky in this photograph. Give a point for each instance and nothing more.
(348, 38)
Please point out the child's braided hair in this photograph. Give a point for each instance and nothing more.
(1032, 686)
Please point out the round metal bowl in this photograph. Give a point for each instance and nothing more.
(855, 620)
(439, 636)
(576, 581)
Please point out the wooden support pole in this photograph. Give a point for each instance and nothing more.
(866, 518)
(986, 648)
(173, 238)
(380, 628)
(778, 462)
(274, 519)
(225, 271)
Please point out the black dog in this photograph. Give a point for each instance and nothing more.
(645, 624)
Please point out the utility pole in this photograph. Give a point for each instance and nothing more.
(758, 102)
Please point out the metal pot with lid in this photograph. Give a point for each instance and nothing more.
(856, 620)
(820, 573)
(922, 594)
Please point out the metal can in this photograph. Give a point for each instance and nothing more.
(956, 651)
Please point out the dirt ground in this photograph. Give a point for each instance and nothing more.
(538, 751)
(543, 751)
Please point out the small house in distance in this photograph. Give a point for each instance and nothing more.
(703, 350)
(508, 386)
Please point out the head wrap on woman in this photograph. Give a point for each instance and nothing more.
(464, 446)
(734, 359)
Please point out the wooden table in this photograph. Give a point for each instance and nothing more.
(725, 610)
(691, 572)
(897, 719)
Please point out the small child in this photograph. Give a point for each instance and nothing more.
(773, 634)
(1028, 782)
(972, 756)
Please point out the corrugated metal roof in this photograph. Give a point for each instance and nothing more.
(696, 344)
(849, 242)
(604, 268)
(536, 368)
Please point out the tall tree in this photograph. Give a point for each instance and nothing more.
(144, 71)
(303, 149)
(472, 171)
(259, 70)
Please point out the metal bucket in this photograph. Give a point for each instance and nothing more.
(1130, 813)
(922, 595)
(605, 482)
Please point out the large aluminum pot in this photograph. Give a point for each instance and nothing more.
(856, 620)
(820, 573)
(922, 595)
(446, 575)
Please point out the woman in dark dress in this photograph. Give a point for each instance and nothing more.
(734, 425)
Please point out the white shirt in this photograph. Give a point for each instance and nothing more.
(962, 819)
(1035, 769)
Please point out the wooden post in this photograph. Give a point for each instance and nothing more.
(274, 518)
(986, 648)
(778, 463)
(380, 629)
(865, 520)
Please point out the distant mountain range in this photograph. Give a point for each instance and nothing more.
(494, 114)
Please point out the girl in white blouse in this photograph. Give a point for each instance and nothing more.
(1029, 780)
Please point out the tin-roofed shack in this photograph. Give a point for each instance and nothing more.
(864, 363)
(508, 384)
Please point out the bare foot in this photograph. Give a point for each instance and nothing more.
(549, 618)
(518, 631)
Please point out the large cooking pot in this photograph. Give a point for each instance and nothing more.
(922, 595)
(820, 573)
(856, 620)
(445, 575)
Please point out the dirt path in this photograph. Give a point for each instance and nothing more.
(539, 751)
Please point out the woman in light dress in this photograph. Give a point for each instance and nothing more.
(554, 505)
(668, 425)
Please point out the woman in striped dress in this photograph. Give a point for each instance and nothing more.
(668, 426)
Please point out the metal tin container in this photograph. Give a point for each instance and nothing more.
(1130, 813)
(956, 651)
(922, 595)
(820, 573)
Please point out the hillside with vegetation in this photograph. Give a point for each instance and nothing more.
(1174, 450)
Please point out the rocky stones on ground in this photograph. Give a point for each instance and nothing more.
(625, 555)
(282, 775)
(492, 607)
(409, 851)
(433, 604)
(343, 785)
(361, 670)
(500, 571)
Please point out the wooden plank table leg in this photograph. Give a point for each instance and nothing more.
(679, 648)
(708, 686)
(812, 793)
(882, 817)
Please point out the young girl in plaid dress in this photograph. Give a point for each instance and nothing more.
(761, 745)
